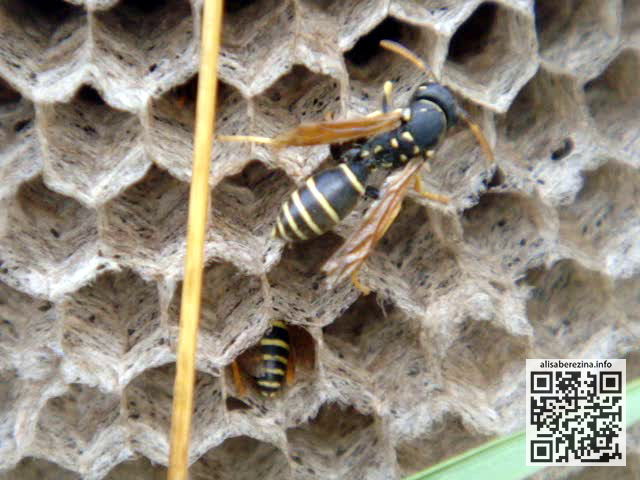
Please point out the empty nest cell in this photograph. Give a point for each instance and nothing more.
(80, 430)
(143, 47)
(233, 308)
(380, 350)
(338, 442)
(148, 399)
(577, 36)
(415, 263)
(93, 152)
(19, 146)
(47, 237)
(109, 327)
(613, 99)
(571, 312)
(297, 292)
(145, 226)
(31, 468)
(448, 437)
(602, 223)
(242, 458)
(171, 130)
(510, 230)
(490, 55)
(257, 45)
(42, 45)
(29, 333)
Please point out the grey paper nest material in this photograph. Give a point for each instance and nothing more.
(96, 126)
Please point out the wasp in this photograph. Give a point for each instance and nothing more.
(272, 365)
(401, 140)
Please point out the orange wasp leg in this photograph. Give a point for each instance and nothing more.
(436, 197)
(238, 381)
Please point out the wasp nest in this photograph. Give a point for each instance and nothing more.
(540, 258)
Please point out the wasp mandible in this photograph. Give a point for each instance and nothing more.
(403, 138)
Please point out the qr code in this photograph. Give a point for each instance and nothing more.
(576, 412)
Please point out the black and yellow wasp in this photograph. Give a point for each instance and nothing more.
(404, 138)
(271, 364)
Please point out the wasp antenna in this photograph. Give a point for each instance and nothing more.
(477, 132)
(408, 55)
(245, 138)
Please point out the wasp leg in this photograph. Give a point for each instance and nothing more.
(387, 101)
(356, 283)
(238, 381)
(419, 187)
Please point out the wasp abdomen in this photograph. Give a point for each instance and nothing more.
(274, 348)
(321, 203)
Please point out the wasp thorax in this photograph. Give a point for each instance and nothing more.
(440, 95)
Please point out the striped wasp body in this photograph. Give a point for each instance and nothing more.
(401, 140)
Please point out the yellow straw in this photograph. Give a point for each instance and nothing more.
(198, 202)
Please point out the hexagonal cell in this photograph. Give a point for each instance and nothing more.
(19, 146)
(138, 469)
(414, 264)
(492, 55)
(242, 212)
(148, 401)
(29, 333)
(258, 45)
(171, 130)
(381, 351)
(508, 231)
(80, 429)
(602, 224)
(241, 458)
(544, 129)
(369, 65)
(571, 312)
(339, 442)
(233, 308)
(444, 15)
(110, 330)
(302, 358)
(577, 36)
(299, 96)
(41, 47)
(298, 295)
(93, 152)
(485, 360)
(613, 99)
(31, 468)
(49, 242)
(447, 437)
(142, 47)
(145, 227)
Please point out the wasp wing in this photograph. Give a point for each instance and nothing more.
(348, 259)
(339, 131)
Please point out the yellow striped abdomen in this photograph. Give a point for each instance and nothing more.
(274, 348)
(321, 203)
